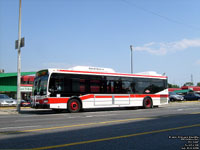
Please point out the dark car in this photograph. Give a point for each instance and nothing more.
(192, 96)
(25, 103)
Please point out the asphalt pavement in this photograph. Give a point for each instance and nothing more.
(175, 126)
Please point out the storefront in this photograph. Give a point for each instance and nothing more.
(8, 84)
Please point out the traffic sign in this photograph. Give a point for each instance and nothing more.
(21, 44)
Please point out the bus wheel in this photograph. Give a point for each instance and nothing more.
(147, 102)
(74, 106)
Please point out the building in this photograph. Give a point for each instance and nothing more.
(8, 84)
(173, 89)
(194, 88)
(185, 89)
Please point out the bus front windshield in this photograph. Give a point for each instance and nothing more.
(40, 85)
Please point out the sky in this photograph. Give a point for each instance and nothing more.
(64, 33)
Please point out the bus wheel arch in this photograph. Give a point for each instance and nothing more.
(74, 105)
(147, 102)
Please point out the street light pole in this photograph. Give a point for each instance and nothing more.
(131, 47)
(19, 62)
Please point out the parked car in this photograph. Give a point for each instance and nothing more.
(25, 103)
(192, 96)
(175, 97)
(5, 100)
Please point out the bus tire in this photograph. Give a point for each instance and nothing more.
(74, 106)
(147, 103)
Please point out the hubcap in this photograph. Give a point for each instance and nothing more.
(148, 103)
(74, 105)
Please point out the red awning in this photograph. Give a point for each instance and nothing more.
(27, 78)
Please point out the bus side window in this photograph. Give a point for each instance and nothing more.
(51, 85)
(82, 86)
(56, 85)
(126, 87)
(75, 85)
(142, 87)
(110, 87)
(157, 85)
(103, 85)
(133, 86)
(118, 86)
(95, 86)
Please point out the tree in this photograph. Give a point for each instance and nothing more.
(189, 84)
(198, 84)
(173, 86)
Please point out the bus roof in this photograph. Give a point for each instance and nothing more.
(142, 75)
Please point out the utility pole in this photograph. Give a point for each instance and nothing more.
(19, 62)
(131, 47)
(192, 81)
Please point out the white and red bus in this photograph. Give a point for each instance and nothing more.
(90, 87)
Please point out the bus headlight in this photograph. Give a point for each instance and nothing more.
(45, 101)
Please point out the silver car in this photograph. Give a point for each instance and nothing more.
(5, 100)
(175, 97)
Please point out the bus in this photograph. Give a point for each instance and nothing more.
(92, 87)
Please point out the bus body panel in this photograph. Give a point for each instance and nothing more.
(100, 101)
(82, 80)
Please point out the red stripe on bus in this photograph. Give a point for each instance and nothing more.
(103, 96)
(87, 97)
(164, 95)
(121, 96)
(144, 95)
(57, 100)
(54, 100)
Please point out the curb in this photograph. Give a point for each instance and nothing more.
(185, 101)
(8, 107)
(10, 110)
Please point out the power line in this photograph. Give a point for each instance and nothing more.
(161, 16)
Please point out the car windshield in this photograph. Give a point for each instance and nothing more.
(3, 96)
(197, 94)
(172, 93)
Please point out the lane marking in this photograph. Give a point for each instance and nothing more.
(100, 115)
(195, 113)
(116, 137)
(76, 125)
(87, 124)
(79, 125)
(18, 127)
(182, 109)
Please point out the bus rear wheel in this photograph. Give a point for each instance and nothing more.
(147, 103)
(73, 106)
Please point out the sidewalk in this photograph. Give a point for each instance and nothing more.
(10, 110)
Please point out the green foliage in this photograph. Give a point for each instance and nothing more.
(189, 84)
(198, 84)
(173, 86)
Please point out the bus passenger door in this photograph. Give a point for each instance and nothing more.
(106, 97)
(122, 90)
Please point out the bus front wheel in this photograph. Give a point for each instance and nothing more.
(147, 102)
(73, 106)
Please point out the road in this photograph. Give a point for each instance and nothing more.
(175, 126)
